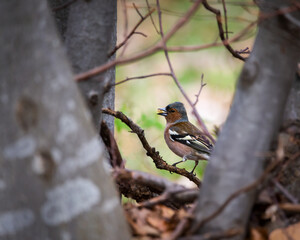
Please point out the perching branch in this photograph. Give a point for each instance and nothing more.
(150, 151)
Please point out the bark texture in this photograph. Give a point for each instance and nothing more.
(60, 12)
(54, 182)
(291, 138)
(292, 110)
(90, 36)
(257, 110)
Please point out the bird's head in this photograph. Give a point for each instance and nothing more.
(174, 112)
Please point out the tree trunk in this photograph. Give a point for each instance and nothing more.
(262, 90)
(290, 176)
(54, 182)
(292, 109)
(90, 36)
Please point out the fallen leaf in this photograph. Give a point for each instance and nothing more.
(258, 234)
(290, 232)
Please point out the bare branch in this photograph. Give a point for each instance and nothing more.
(159, 46)
(285, 192)
(200, 90)
(133, 31)
(142, 77)
(124, 8)
(148, 52)
(140, 33)
(137, 10)
(148, 6)
(225, 17)
(221, 30)
(195, 112)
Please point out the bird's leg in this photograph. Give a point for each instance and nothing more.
(183, 160)
(174, 164)
(192, 172)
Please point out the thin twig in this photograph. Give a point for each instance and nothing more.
(140, 33)
(195, 112)
(225, 17)
(142, 77)
(150, 151)
(244, 51)
(125, 33)
(133, 31)
(200, 90)
(285, 192)
(221, 30)
(235, 38)
(137, 10)
(148, 6)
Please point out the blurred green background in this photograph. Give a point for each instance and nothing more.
(139, 99)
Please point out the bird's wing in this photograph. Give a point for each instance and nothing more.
(194, 140)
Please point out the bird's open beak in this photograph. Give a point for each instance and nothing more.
(162, 112)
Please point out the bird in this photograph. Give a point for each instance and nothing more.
(182, 137)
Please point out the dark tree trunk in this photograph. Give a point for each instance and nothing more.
(60, 10)
(292, 110)
(290, 176)
(89, 31)
(54, 180)
(257, 110)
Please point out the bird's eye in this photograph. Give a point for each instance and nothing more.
(172, 110)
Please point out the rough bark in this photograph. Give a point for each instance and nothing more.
(253, 121)
(90, 36)
(290, 176)
(53, 179)
(292, 109)
(60, 12)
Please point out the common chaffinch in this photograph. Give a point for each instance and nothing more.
(182, 137)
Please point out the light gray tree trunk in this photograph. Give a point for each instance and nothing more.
(54, 183)
(89, 37)
(257, 110)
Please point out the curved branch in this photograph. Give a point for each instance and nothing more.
(150, 151)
